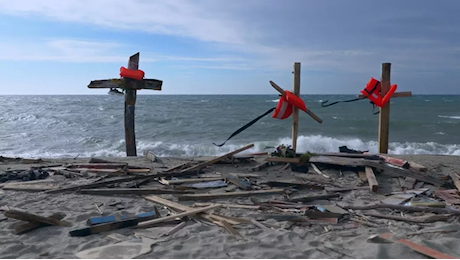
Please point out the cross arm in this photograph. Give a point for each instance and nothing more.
(397, 94)
(153, 84)
(281, 91)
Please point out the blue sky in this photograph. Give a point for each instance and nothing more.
(230, 47)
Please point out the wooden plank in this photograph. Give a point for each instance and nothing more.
(98, 165)
(31, 188)
(106, 219)
(212, 161)
(153, 222)
(188, 181)
(362, 176)
(409, 182)
(224, 205)
(295, 114)
(96, 229)
(211, 196)
(395, 161)
(134, 191)
(396, 94)
(373, 184)
(260, 166)
(384, 115)
(308, 111)
(152, 84)
(315, 197)
(244, 185)
(177, 167)
(179, 207)
(456, 178)
(423, 219)
(130, 102)
(406, 208)
(417, 167)
(20, 215)
(416, 247)
(318, 171)
(28, 226)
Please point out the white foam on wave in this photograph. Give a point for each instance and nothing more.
(274, 100)
(451, 117)
(313, 143)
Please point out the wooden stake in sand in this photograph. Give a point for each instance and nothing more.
(130, 86)
(295, 114)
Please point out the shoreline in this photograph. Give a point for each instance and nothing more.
(199, 239)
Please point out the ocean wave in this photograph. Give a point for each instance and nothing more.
(313, 143)
(450, 117)
(274, 100)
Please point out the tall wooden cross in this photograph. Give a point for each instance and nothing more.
(384, 115)
(130, 87)
(295, 114)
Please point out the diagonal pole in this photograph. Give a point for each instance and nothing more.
(130, 102)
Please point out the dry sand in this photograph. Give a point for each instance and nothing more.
(203, 240)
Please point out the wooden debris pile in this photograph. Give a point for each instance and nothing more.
(312, 198)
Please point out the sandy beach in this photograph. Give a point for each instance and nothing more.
(199, 239)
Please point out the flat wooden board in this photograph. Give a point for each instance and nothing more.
(152, 84)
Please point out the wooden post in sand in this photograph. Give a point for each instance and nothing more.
(295, 114)
(130, 86)
(384, 115)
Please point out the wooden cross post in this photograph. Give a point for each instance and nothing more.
(130, 86)
(384, 115)
(295, 114)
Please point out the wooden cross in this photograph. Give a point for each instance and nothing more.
(130, 86)
(384, 115)
(295, 114)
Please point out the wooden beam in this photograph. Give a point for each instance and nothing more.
(373, 184)
(29, 226)
(384, 115)
(397, 94)
(211, 196)
(132, 191)
(20, 215)
(152, 84)
(130, 102)
(281, 91)
(295, 114)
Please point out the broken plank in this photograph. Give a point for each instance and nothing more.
(153, 222)
(212, 161)
(28, 226)
(425, 219)
(362, 176)
(313, 198)
(179, 207)
(417, 167)
(211, 196)
(406, 208)
(395, 161)
(318, 171)
(177, 167)
(397, 199)
(106, 219)
(244, 185)
(205, 185)
(373, 184)
(105, 165)
(31, 188)
(294, 184)
(230, 229)
(134, 191)
(456, 178)
(187, 181)
(409, 183)
(416, 247)
(104, 227)
(152, 84)
(450, 196)
(223, 205)
(25, 216)
(260, 166)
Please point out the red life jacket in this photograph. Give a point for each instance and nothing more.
(132, 74)
(372, 92)
(286, 105)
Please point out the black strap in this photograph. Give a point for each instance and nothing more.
(246, 126)
(341, 101)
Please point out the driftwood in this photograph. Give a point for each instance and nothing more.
(20, 215)
(313, 198)
(211, 196)
(406, 208)
(135, 191)
(244, 185)
(27, 227)
(429, 219)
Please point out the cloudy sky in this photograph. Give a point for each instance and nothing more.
(230, 47)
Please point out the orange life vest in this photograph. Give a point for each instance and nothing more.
(132, 74)
(372, 92)
(286, 105)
